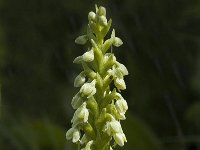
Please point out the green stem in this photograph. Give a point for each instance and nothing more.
(79, 147)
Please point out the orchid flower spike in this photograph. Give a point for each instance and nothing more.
(98, 108)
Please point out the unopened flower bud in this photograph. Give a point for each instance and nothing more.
(91, 16)
(88, 89)
(76, 101)
(120, 138)
(120, 84)
(69, 133)
(81, 39)
(79, 80)
(101, 11)
(88, 56)
(117, 42)
(102, 21)
(78, 60)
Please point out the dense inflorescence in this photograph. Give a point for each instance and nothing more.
(99, 109)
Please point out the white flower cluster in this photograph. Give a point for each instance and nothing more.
(99, 108)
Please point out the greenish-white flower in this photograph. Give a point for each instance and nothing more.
(120, 84)
(88, 89)
(81, 39)
(120, 138)
(112, 127)
(116, 41)
(74, 134)
(78, 60)
(76, 101)
(88, 56)
(79, 80)
(81, 115)
(102, 21)
(122, 69)
(121, 106)
(91, 16)
(101, 11)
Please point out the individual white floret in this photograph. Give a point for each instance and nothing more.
(74, 134)
(79, 80)
(76, 101)
(81, 115)
(88, 89)
(88, 56)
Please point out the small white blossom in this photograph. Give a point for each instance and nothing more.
(88, 89)
(121, 106)
(88, 56)
(115, 73)
(101, 11)
(116, 41)
(120, 138)
(122, 69)
(112, 127)
(78, 60)
(120, 84)
(81, 115)
(102, 21)
(74, 134)
(76, 101)
(121, 116)
(81, 39)
(107, 55)
(69, 133)
(91, 16)
(79, 80)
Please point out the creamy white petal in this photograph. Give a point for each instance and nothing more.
(120, 84)
(88, 89)
(76, 101)
(120, 138)
(91, 16)
(121, 106)
(79, 80)
(88, 56)
(81, 115)
(76, 136)
(81, 39)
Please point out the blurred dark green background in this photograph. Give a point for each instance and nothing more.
(161, 51)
